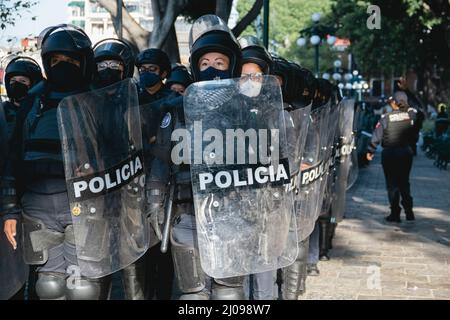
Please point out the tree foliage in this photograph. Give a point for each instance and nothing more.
(165, 14)
(11, 11)
(287, 18)
(414, 35)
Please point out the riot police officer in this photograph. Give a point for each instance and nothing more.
(442, 121)
(115, 62)
(156, 100)
(154, 67)
(256, 62)
(179, 79)
(299, 88)
(21, 74)
(395, 131)
(215, 54)
(323, 223)
(49, 242)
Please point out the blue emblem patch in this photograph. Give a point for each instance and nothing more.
(166, 121)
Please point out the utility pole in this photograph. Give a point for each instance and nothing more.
(266, 24)
(120, 18)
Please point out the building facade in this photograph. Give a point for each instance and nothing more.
(97, 23)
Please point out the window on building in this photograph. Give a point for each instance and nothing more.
(96, 8)
(377, 87)
(78, 23)
(395, 82)
(75, 12)
(77, 8)
(97, 29)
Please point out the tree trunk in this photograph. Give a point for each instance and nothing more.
(165, 13)
(248, 18)
(223, 9)
(170, 46)
(132, 31)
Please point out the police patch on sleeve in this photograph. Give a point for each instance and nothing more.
(166, 121)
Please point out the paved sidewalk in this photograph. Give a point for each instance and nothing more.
(372, 259)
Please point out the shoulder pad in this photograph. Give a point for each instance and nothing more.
(38, 89)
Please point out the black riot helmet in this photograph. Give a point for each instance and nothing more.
(115, 49)
(337, 94)
(323, 93)
(304, 84)
(180, 74)
(22, 66)
(157, 57)
(254, 52)
(71, 41)
(209, 33)
(282, 69)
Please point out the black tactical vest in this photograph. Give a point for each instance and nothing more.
(399, 129)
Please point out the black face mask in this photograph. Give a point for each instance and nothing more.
(18, 91)
(212, 73)
(149, 79)
(66, 76)
(108, 77)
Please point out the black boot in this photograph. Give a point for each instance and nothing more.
(324, 227)
(313, 271)
(394, 216)
(407, 205)
(409, 215)
(331, 235)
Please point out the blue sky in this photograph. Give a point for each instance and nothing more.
(47, 12)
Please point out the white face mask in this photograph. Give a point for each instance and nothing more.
(251, 88)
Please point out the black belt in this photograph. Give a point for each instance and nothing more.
(43, 168)
(43, 145)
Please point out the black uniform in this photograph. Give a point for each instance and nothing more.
(395, 131)
(442, 123)
(157, 123)
(159, 266)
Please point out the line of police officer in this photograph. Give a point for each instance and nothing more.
(34, 190)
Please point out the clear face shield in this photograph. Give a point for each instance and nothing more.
(251, 84)
(79, 41)
(205, 24)
(249, 41)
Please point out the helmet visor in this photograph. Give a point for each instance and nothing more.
(205, 24)
(79, 41)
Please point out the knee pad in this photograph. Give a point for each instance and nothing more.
(37, 240)
(303, 250)
(223, 292)
(195, 296)
(88, 289)
(188, 270)
(231, 282)
(51, 286)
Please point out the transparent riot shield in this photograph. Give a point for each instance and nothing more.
(240, 176)
(357, 143)
(103, 159)
(343, 157)
(308, 200)
(297, 124)
(330, 150)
